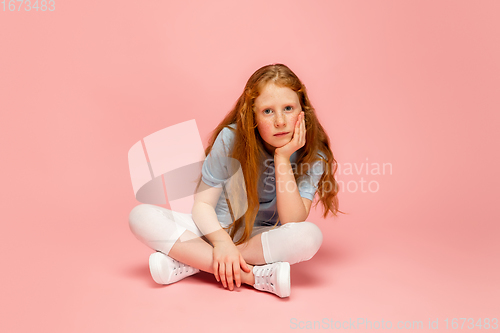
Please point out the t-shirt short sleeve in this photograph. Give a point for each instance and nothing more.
(215, 167)
(308, 183)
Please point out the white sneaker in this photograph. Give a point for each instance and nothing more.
(166, 270)
(274, 278)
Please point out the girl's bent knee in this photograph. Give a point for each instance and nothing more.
(155, 227)
(136, 217)
(148, 219)
(311, 239)
(292, 242)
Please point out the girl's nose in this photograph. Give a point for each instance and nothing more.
(280, 119)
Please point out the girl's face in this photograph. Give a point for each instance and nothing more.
(276, 111)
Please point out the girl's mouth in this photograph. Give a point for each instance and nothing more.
(281, 134)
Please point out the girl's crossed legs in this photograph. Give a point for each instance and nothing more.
(176, 235)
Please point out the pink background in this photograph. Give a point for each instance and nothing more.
(410, 83)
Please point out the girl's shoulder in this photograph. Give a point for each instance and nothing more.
(319, 163)
(226, 136)
(228, 130)
(322, 155)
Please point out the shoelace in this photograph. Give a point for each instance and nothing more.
(180, 268)
(263, 278)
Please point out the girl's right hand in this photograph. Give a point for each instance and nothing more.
(227, 263)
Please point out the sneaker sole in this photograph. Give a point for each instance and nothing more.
(284, 275)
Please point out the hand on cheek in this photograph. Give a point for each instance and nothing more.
(298, 139)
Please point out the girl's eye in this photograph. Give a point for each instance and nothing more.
(288, 108)
(265, 111)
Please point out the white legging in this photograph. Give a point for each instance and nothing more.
(159, 228)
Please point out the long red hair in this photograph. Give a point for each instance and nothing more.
(248, 145)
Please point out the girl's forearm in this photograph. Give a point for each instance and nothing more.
(289, 202)
(205, 218)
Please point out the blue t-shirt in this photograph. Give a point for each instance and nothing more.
(215, 171)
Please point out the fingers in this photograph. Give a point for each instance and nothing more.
(229, 276)
(229, 273)
(244, 265)
(222, 274)
(301, 120)
(300, 126)
(296, 130)
(237, 277)
(216, 270)
(302, 136)
(226, 266)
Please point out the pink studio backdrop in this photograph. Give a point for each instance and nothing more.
(413, 85)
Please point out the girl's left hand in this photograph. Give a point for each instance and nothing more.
(298, 139)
